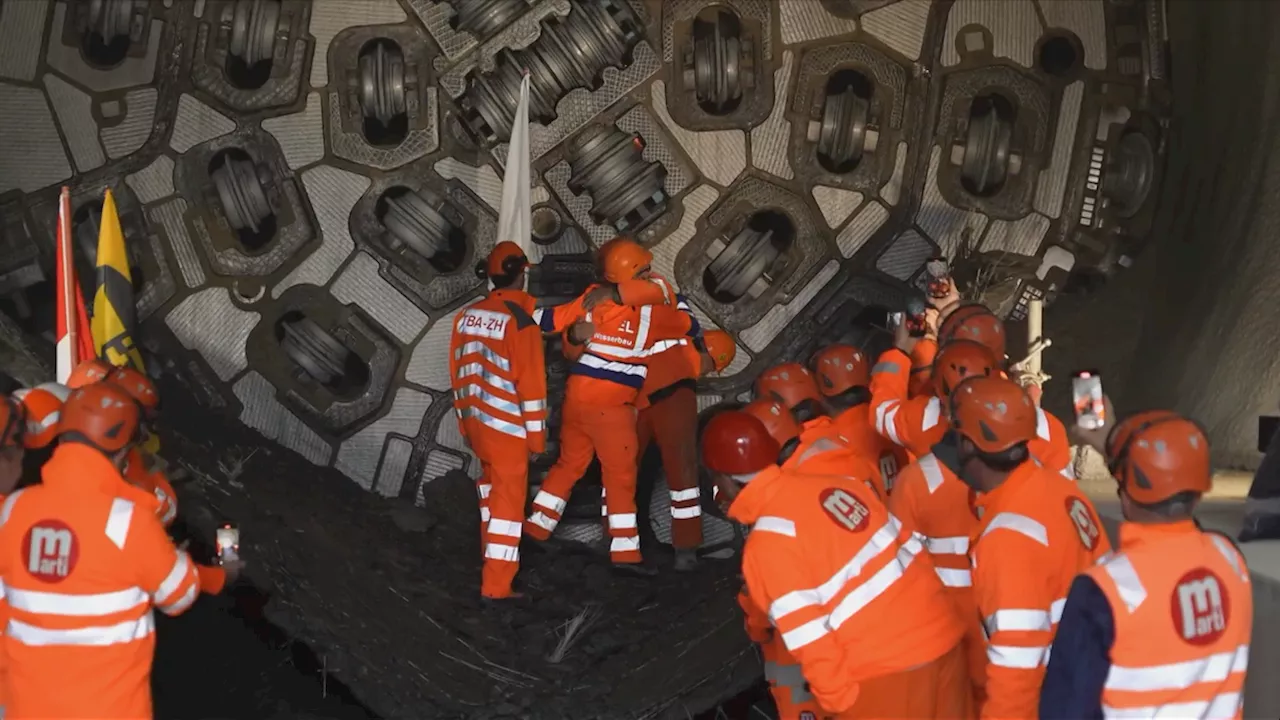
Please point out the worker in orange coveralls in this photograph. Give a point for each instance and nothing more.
(497, 370)
(84, 559)
(1160, 628)
(599, 413)
(668, 413)
(142, 468)
(12, 427)
(931, 500)
(843, 376)
(916, 423)
(1036, 532)
(882, 642)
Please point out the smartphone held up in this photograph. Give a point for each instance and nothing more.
(228, 543)
(1087, 398)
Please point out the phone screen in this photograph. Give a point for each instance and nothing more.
(1086, 395)
(228, 543)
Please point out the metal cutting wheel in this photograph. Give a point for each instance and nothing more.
(244, 201)
(110, 19)
(987, 147)
(411, 220)
(1129, 174)
(843, 131)
(253, 30)
(717, 62)
(747, 256)
(314, 349)
(483, 18)
(382, 81)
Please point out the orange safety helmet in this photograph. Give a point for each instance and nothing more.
(840, 368)
(721, 347)
(788, 383)
(737, 443)
(89, 372)
(1157, 454)
(100, 415)
(505, 259)
(974, 321)
(994, 413)
(776, 418)
(623, 259)
(12, 423)
(960, 359)
(43, 406)
(139, 387)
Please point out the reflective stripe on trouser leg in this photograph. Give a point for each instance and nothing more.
(614, 431)
(675, 426)
(576, 453)
(483, 487)
(502, 543)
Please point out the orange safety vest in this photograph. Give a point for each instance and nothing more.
(861, 436)
(612, 366)
(848, 588)
(1182, 604)
(1036, 533)
(138, 472)
(823, 450)
(84, 559)
(497, 368)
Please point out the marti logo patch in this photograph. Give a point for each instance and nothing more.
(51, 550)
(1086, 526)
(1200, 607)
(847, 510)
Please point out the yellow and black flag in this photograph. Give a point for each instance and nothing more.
(113, 303)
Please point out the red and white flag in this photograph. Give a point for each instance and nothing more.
(74, 345)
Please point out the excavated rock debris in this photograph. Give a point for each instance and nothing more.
(388, 594)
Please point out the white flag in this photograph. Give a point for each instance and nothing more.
(515, 214)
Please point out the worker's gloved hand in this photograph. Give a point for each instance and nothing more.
(1096, 439)
(599, 294)
(581, 331)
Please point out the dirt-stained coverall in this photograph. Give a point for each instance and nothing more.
(917, 423)
(853, 596)
(1160, 628)
(84, 559)
(1037, 532)
(599, 415)
(931, 500)
(498, 373)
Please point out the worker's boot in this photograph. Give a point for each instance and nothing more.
(686, 560)
(515, 599)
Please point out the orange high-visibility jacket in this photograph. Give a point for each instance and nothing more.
(84, 559)
(1182, 611)
(849, 589)
(1037, 532)
(861, 437)
(823, 450)
(918, 423)
(931, 500)
(612, 367)
(497, 367)
(922, 356)
(139, 471)
(782, 671)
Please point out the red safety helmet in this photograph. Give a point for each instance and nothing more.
(43, 410)
(100, 415)
(89, 372)
(139, 387)
(994, 413)
(840, 368)
(1157, 454)
(974, 321)
(623, 259)
(505, 259)
(736, 443)
(960, 359)
(789, 384)
(721, 347)
(13, 423)
(776, 418)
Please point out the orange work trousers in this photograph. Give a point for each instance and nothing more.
(502, 488)
(939, 689)
(587, 431)
(673, 422)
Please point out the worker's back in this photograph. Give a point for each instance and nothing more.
(1037, 532)
(1195, 665)
(823, 450)
(861, 437)
(84, 557)
(851, 592)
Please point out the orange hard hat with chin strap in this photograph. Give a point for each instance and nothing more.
(737, 443)
(43, 408)
(1158, 454)
(958, 360)
(139, 387)
(776, 418)
(789, 384)
(840, 368)
(975, 322)
(721, 347)
(102, 416)
(506, 259)
(623, 259)
(993, 413)
(89, 372)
